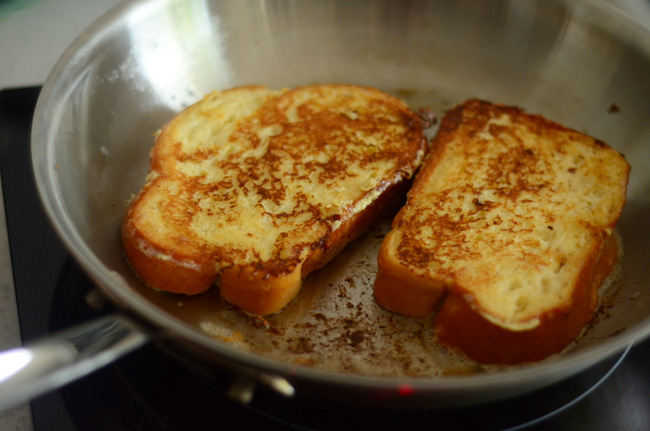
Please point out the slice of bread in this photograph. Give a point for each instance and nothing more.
(507, 233)
(253, 189)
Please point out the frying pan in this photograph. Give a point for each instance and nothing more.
(580, 63)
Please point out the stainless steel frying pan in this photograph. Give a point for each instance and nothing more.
(580, 63)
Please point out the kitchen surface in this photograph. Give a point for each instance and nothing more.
(33, 34)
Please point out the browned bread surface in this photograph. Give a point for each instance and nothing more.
(507, 232)
(252, 189)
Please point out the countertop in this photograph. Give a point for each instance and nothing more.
(33, 34)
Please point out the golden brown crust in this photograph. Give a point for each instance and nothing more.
(461, 327)
(254, 188)
(175, 272)
(423, 294)
(505, 224)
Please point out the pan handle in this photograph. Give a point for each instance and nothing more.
(26, 372)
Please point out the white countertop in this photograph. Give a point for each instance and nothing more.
(33, 34)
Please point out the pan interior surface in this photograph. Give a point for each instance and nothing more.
(577, 63)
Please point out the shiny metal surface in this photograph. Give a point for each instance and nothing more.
(578, 63)
(64, 357)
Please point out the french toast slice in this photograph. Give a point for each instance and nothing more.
(252, 189)
(507, 234)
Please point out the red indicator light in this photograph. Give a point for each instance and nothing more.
(405, 390)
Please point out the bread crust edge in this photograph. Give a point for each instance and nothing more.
(460, 326)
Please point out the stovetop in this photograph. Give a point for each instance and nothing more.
(151, 390)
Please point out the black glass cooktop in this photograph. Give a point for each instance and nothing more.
(151, 390)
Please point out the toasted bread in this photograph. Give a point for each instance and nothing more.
(507, 233)
(253, 189)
